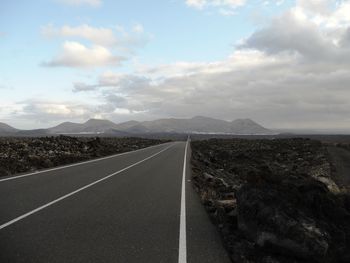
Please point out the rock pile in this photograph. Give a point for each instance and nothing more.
(18, 155)
(273, 200)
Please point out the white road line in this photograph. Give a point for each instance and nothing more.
(74, 164)
(79, 190)
(182, 238)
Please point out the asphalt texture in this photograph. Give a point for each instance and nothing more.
(131, 215)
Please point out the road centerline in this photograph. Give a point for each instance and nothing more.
(182, 237)
(78, 190)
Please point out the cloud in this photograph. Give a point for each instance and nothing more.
(105, 44)
(97, 35)
(117, 81)
(271, 92)
(228, 7)
(93, 3)
(80, 86)
(315, 6)
(48, 111)
(300, 32)
(292, 73)
(51, 112)
(223, 7)
(328, 14)
(200, 4)
(288, 34)
(345, 39)
(117, 37)
(74, 54)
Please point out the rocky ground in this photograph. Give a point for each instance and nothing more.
(343, 145)
(273, 200)
(18, 155)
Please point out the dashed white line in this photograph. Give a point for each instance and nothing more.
(78, 190)
(182, 238)
(74, 164)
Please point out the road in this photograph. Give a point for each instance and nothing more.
(133, 207)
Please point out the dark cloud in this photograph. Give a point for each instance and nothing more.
(288, 34)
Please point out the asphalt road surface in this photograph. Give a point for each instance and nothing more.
(133, 207)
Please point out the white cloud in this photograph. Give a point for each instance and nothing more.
(224, 7)
(49, 110)
(74, 54)
(229, 7)
(105, 44)
(196, 3)
(199, 4)
(328, 13)
(97, 35)
(116, 37)
(239, 60)
(93, 3)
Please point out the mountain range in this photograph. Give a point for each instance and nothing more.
(198, 125)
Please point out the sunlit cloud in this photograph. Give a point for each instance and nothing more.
(74, 54)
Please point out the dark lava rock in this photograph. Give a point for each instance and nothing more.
(18, 155)
(273, 200)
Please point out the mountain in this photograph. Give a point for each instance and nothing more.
(247, 126)
(196, 125)
(98, 126)
(127, 125)
(91, 126)
(4, 128)
(66, 127)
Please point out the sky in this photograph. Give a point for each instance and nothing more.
(282, 63)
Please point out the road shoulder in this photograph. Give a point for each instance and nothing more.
(204, 243)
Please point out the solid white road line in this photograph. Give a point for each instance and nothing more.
(182, 238)
(74, 164)
(79, 190)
